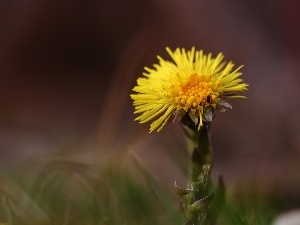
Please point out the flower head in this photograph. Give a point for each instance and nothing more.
(194, 84)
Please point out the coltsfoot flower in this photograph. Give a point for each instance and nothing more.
(194, 84)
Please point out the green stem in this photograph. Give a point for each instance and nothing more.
(199, 148)
(200, 160)
(202, 152)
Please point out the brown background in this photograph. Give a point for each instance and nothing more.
(67, 69)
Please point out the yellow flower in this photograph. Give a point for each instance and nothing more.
(194, 83)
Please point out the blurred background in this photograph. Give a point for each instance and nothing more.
(67, 69)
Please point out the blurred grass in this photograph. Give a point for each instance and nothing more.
(62, 190)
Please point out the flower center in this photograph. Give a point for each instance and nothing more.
(197, 92)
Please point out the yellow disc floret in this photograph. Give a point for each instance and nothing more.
(197, 92)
